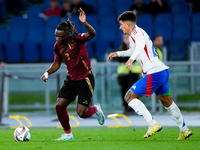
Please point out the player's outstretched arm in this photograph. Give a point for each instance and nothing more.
(111, 55)
(90, 30)
(53, 68)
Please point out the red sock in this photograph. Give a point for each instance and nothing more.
(91, 111)
(63, 118)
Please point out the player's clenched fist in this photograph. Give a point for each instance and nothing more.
(45, 76)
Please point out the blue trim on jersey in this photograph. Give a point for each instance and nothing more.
(154, 52)
(153, 49)
(133, 28)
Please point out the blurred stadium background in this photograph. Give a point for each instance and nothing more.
(26, 45)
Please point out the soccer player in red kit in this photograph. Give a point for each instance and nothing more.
(71, 46)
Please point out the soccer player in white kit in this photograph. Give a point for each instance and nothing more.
(155, 76)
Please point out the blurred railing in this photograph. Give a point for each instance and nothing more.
(26, 78)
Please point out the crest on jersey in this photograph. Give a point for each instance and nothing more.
(134, 32)
(70, 45)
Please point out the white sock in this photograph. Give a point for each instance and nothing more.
(141, 110)
(176, 115)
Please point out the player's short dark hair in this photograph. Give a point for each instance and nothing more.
(127, 16)
(67, 26)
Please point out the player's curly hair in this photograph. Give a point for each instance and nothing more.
(68, 26)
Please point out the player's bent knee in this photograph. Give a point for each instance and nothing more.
(81, 113)
(127, 96)
(62, 102)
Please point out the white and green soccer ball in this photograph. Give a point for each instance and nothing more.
(22, 133)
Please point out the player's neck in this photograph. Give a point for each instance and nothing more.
(131, 28)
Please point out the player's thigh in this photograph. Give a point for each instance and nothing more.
(150, 83)
(66, 94)
(140, 87)
(85, 89)
(164, 88)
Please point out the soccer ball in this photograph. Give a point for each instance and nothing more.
(22, 133)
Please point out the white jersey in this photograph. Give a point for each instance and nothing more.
(142, 50)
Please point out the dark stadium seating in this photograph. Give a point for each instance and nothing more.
(4, 35)
(75, 19)
(106, 9)
(195, 19)
(90, 48)
(119, 3)
(180, 19)
(2, 11)
(35, 29)
(145, 21)
(101, 48)
(178, 25)
(49, 34)
(13, 52)
(35, 22)
(18, 35)
(18, 26)
(53, 21)
(121, 9)
(107, 28)
(93, 20)
(1, 53)
(36, 35)
(31, 53)
(181, 33)
(195, 33)
(163, 19)
(47, 51)
(145, 18)
(179, 7)
(164, 30)
(33, 11)
(177, 50)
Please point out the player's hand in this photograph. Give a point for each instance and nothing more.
(129, 64)
(45, 76)
(82, 15)
(111, 55)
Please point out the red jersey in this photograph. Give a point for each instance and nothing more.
(75, 55)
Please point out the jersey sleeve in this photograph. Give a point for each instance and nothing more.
(81, 36)
(57, 58)
(125, 53)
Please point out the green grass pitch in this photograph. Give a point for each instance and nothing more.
(91, 138)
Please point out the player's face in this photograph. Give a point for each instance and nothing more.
(62, 37)
(124, 26)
